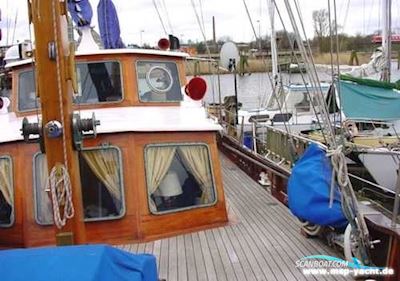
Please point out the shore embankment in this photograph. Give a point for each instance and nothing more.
(254, 65)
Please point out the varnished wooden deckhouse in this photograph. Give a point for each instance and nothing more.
(152, 171)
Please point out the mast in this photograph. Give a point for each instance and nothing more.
(274, 54)
(55, 70)
(387, 37)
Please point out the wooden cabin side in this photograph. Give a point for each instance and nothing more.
(135, 222)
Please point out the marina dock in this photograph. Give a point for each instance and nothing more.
(261, 242)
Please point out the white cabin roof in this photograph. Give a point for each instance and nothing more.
(187, 117)
(111, 51)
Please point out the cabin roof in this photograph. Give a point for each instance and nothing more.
(111, 52)
(190, 116)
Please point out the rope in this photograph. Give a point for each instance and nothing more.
(60, 188)
(339, 165)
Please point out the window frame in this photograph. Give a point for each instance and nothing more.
(31, 69)
(213, 203)
(121, 79)
(12, 217)
(120, 63)
(137, 81)
(121, 174)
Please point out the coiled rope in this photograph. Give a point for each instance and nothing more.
(59, 185)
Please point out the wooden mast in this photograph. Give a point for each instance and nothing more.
(55, 70)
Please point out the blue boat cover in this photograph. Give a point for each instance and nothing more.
(309, 189)
(363, 102)
(76, 263)
(110, 32)
(81, 12)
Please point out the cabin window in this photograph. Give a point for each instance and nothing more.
(179, 177)
(6, 193)
(158, 81)
(98, 82)
(101, 180)
(27, 99)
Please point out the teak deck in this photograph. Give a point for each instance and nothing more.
(262, 242)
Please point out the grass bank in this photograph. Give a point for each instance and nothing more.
(259, 65)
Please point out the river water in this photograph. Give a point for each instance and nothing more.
(253, 90)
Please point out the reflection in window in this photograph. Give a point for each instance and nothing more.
(101, 182)
(27, 99)
(178, 176)
(6, 193)
(158, 81)
(98, 82)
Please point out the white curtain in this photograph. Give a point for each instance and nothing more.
(105, 165)
(5, 180)
(197, 161)
(44, 208)
(158, 160)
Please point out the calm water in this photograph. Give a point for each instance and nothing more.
(253, 90)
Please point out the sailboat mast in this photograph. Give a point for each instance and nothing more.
(274, 54)
(55, 68)
(386, 37)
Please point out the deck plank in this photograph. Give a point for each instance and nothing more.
(264, 244)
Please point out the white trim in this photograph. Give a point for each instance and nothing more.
(112, 52)
(184, 118)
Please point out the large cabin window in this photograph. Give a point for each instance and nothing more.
(158, 81)
(101, 181)
(98, 82)
(6, 193)
(179, 177)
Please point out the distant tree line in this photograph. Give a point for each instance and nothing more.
(321, 41)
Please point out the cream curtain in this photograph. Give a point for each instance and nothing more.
(104, 164)
(197, 160)
(5, 180)
(158, 161)
(44, 208)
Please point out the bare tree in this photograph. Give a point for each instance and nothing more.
(321, 24)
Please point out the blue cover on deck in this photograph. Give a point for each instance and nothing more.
(309, 188)
(76, 263)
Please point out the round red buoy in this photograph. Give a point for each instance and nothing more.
(163, 44)
(196, 88)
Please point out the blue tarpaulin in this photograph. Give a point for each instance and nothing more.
(80, 11)
(110, 32)
(363, 102)
(76, 263)
(309, 190)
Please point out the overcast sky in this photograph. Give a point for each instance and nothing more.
(140, 23)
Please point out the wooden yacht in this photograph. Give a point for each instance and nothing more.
(118, 148)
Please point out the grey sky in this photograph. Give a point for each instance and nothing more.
(361, 16)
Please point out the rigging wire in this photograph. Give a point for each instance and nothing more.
(15, 26)
(159, 17)
(308, 57)
(298, 62)
(168, 18)
(200, 22)
(274, 90)
(201, 13)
